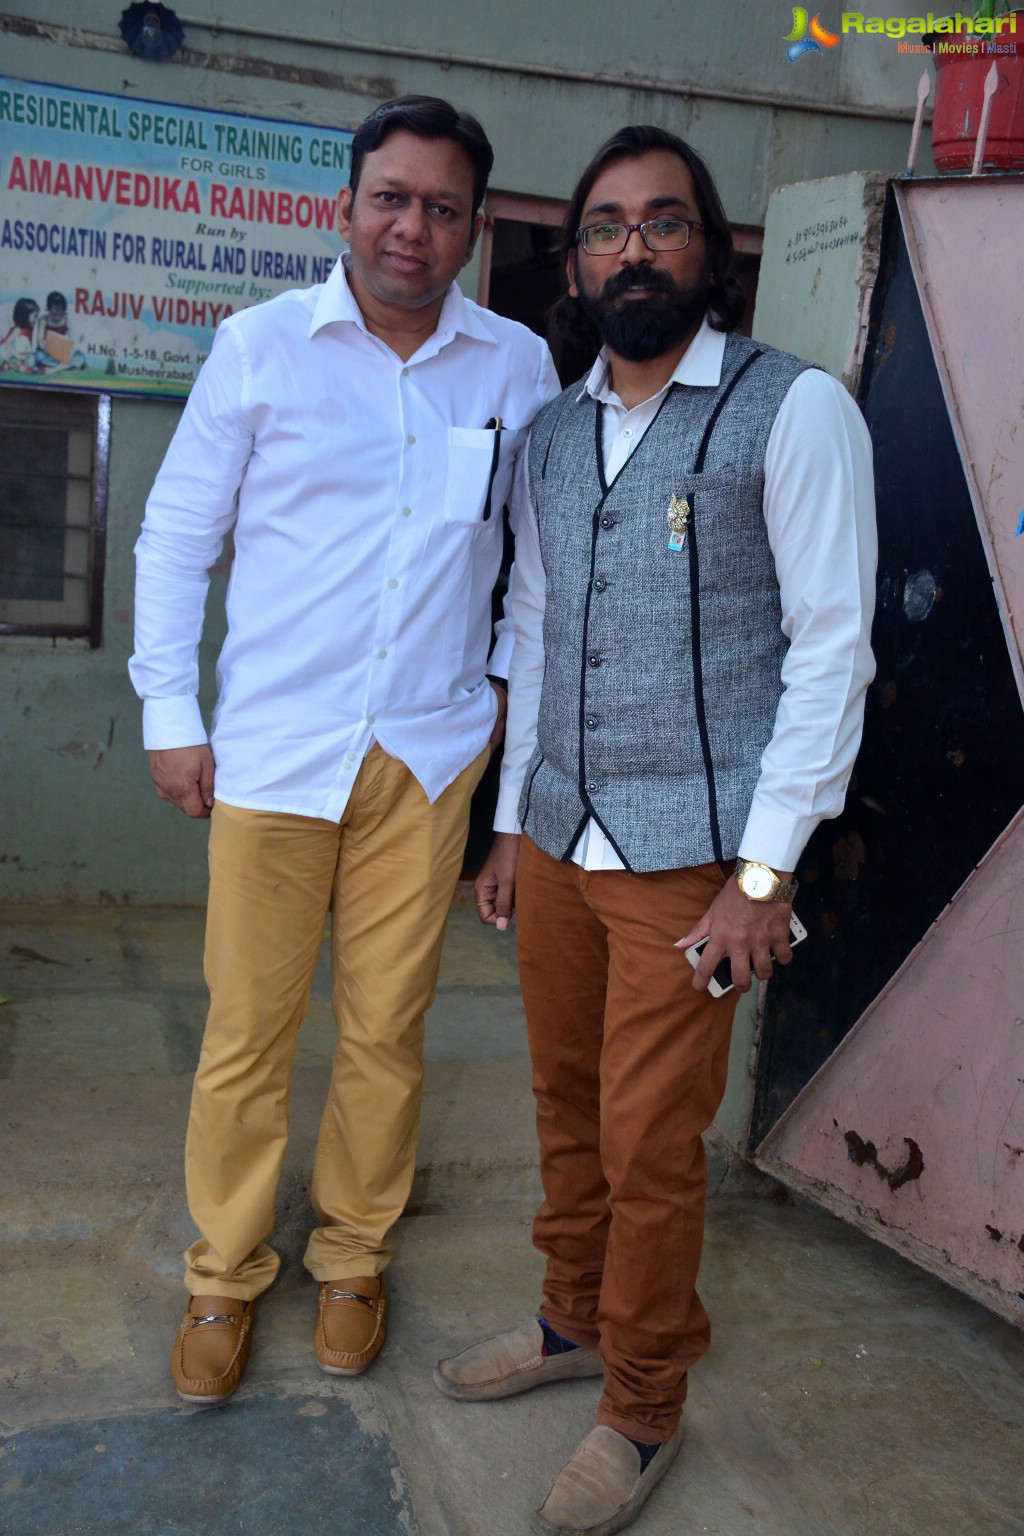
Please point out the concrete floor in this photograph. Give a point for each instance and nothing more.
(847, 1393)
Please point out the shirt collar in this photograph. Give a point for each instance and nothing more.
(336, 303)
(700, 366)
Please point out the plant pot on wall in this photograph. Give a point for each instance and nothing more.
(959, 97)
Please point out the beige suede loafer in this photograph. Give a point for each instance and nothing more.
(211, 1350)
(601, 1488)
(351, 1324)
(508, 1363)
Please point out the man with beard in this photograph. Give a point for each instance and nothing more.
(692, 601)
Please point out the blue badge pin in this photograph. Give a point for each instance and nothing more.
(677, 517)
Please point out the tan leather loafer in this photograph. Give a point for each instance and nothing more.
(509, 1363)
(212, 1348)
(601, 1488)
(351, 1324)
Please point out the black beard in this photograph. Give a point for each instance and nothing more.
(643, 329)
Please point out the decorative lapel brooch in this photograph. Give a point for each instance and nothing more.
(677, 517)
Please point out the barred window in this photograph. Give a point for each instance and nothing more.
(53, 484)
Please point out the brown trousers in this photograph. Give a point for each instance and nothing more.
(629, 1068)
(387, 875)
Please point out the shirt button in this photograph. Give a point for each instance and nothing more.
(599, 584)
(407, 511)
(371, 719)
(593, 660)
(382, 655)
(627, 431)
(410, 438)
(350, 757)
(405, 373)
(392, 583)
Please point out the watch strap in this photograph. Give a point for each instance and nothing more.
(782, 891)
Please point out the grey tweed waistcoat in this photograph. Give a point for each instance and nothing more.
(662, 664)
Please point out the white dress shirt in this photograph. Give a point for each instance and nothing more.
(366, 552)
(819, 512)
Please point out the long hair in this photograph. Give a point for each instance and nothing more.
(428, 117)
(728, 301)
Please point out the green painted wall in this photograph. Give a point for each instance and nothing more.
(80, 817)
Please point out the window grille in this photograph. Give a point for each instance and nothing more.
(53, 470)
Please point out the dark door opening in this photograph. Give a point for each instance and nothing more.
(523, 282)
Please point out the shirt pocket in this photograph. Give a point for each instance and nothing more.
(479, 473)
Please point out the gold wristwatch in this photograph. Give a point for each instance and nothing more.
(759, 882)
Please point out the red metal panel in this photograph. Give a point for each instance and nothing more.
(914, 1129)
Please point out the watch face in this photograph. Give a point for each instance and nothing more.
(757, 882)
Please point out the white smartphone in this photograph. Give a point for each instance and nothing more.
(721, 980)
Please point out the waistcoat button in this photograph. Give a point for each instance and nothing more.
(593, 660)
(600, 584)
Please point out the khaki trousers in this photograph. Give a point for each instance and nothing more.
(387, 874)
(629, 1067)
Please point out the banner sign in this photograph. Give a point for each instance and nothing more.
(129, 229)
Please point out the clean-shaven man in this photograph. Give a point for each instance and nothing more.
(359, 439)
(692, 599)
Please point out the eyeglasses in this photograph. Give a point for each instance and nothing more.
(656, 234)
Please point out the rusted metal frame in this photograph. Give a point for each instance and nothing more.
(100, 486)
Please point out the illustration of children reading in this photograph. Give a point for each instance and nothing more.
(55, 348)
(18, 347)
